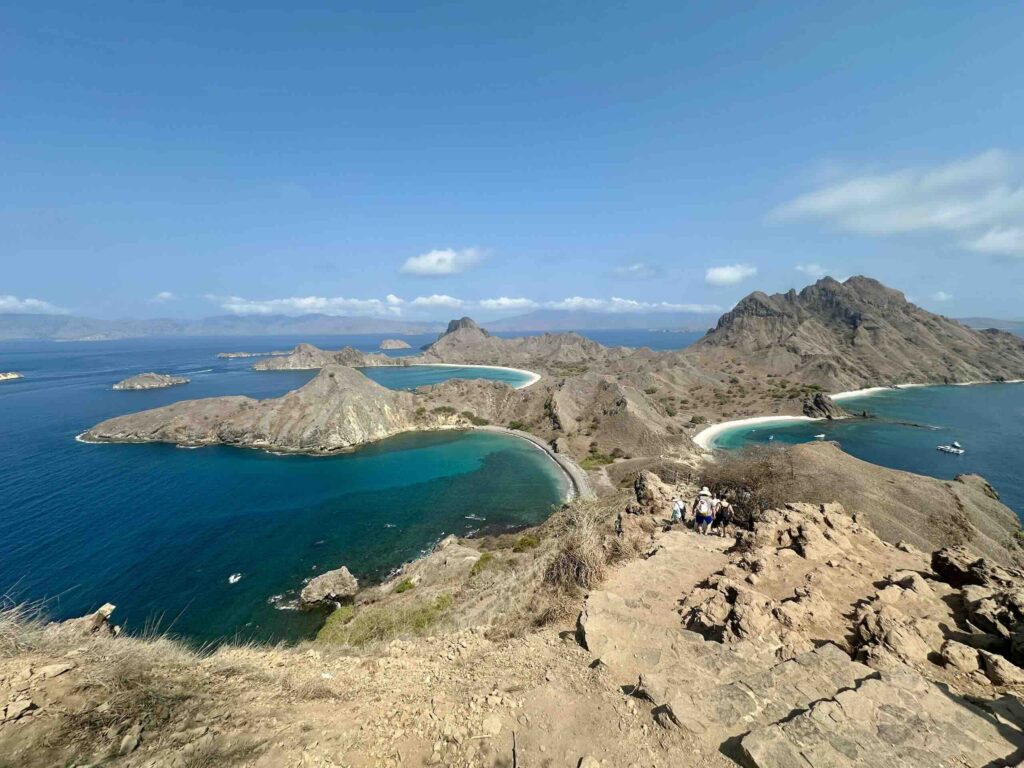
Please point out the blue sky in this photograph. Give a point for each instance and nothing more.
(188, 159)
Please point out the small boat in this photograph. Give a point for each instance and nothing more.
(475, 517)
(234, 578)
(820, 436)
(954, 448)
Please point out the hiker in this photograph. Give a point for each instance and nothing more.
(678, 511)
(703, 511)
(723, 517)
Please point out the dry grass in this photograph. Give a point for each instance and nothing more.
(580, 560)
(754, 479)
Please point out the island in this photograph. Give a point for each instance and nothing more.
(10, 376)
(150, 381)
(235, 355)
(394, 344)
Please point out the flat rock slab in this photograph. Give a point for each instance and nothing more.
(898, 719)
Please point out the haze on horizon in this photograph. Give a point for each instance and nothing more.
(426, 160)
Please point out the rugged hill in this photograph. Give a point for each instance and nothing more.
(853, 334)
(308, 357)
(338, 409)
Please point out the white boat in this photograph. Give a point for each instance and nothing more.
(820, 436)
(955, 448)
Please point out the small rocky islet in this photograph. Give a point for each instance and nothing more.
(150, 381)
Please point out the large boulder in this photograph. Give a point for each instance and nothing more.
(651, 493)
(335, 586)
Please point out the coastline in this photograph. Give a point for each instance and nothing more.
(532, 375)
(579, 483)
(706, 437)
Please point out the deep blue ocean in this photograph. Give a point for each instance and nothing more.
(987, 419)
(158, 530)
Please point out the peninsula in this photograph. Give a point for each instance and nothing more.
(150, 381)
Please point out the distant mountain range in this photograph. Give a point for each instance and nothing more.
(582, 320)
(72, 328)
(75, 328)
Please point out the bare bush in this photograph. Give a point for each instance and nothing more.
(753, 479)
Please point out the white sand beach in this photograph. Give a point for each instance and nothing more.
(533, 377)
(706, 437)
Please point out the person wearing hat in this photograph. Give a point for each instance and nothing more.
(703, 511)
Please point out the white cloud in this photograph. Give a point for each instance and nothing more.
(730, 274)
(438, 300)
(393, 301)
(638, 269)
(442, 262)
(941, 296)
(163, 297)
(1000, 241)
(29, 306)
(812, 270)
(301, 305)
(506, 303)
(981, 199)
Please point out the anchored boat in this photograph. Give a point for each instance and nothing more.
(954, 448)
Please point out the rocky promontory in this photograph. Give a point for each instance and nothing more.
(394, 344)
(150, 381)
(821, 406)
(333, 587)
(9, 376)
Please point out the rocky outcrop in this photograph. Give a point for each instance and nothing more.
(308, 357)
(821, 406)
(333, 587)
(394, 344)
(150, 381)
(855, 334)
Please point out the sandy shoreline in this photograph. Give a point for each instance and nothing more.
(706, 437)
(579, 483)
(533, 377)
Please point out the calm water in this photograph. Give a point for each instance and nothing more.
(158, 530)
(988, 420)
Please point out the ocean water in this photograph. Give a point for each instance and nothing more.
(987, 419)
(159, 531)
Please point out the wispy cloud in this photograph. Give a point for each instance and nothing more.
(29, 306)
(980, 199)
(730, 274)
(620, 305)
(941, 296)
(505, 302)
(812, 270)
(163, 297)
(299, 305)
(442, 262)
(438, 300)
(637, 269)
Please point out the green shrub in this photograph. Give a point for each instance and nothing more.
(479, 421)
(444, 410)
(595, 460)
(377, 623)
(525, 543)
(518, 425)
(698, 420)
(483, 562)
(650, 390)
(404, 586)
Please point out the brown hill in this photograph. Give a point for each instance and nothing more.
(854, 334)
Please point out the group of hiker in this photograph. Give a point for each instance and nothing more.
(711, 515)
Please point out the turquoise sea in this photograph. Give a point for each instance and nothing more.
(159, 530)
(908, 424)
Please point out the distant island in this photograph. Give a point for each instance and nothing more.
(9, 376)
(394, 344)
(234, 355)
(150, 381)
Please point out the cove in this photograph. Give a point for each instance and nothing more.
(158, 530)
(988, 419)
